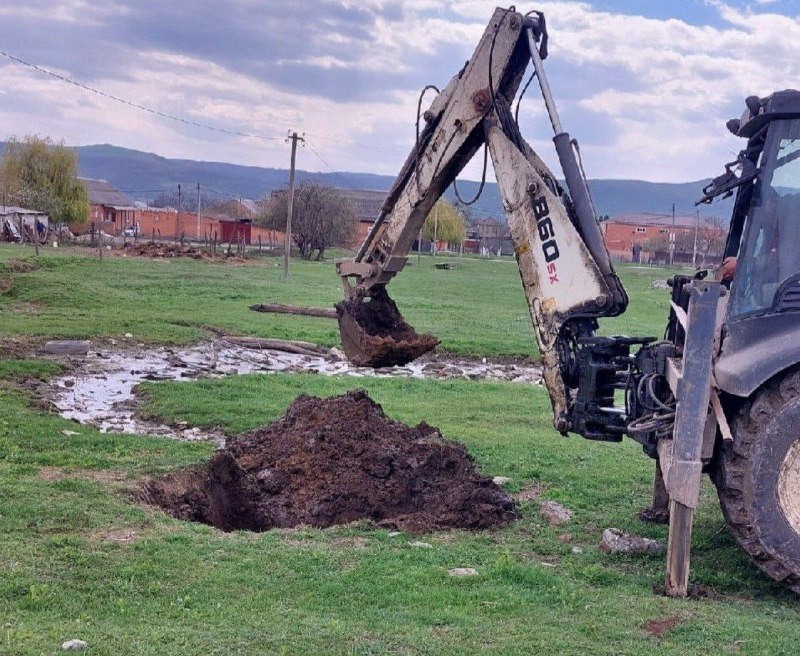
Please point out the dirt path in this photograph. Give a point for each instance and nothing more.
(99, 388)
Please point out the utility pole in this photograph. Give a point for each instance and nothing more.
(287, 240)
(435, 227)
(672, 239)
(198, 211)
(178, 222)
(694, 250)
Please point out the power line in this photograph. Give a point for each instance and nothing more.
(319, 156)
(129, 103)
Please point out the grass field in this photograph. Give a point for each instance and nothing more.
(79, 560)
(477, 308)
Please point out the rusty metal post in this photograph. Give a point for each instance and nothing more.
(685, 470)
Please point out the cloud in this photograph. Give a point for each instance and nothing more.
(647, 97)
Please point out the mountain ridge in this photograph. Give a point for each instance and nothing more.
(142, 175)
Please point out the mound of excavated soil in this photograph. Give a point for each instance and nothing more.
(333, 461)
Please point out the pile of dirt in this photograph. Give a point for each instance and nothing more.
(16, 265)
(333, 461)
(154, 249)
(374, 333)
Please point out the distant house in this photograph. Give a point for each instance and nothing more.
(111, 210)
(487, 236)
(367, 203)
(636, 236)
(13, 220)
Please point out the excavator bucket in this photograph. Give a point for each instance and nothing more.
(374, 333)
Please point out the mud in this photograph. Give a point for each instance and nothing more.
(333, 461)
(99, 389)
(374, 333)
(659, 626)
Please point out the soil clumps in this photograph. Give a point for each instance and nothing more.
(156, 250)
(333, 461)
(374, 333)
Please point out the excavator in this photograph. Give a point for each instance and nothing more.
(719, 393)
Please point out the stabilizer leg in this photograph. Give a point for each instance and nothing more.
(681, 457)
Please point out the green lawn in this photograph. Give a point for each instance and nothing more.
(476, 309)
(78, 559)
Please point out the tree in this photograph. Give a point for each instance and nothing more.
(447, 227)
(321, 218)
(188, 199)
(712, 234)
(40, 175)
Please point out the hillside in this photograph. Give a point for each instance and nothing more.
(143, 175)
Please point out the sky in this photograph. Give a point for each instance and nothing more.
(645, 86)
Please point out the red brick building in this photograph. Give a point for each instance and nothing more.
(111, 210)
(166, 223)
(367, 203)
(645, 237)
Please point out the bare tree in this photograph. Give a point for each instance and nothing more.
(711, 236)
(188, 200)
(322, 218)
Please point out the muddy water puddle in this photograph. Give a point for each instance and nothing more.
(99, 388)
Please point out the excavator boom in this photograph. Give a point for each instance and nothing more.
(566, 271)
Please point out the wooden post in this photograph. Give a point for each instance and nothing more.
(682, 476)
(658, 512)
(679, 546)
(287, 240)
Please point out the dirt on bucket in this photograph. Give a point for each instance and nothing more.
(333, 461)
(374, 333)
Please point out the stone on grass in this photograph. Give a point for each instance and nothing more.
(501, 480)
(462, 571)
(555, 513)
(617, 541)
(660, 284)
(420, 545)
(74, 645)
(69, 433)
(67, 346)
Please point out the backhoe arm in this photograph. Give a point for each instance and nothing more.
(452, 135)
(564, 266)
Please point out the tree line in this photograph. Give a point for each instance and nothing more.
(42, 175)
(322, 218)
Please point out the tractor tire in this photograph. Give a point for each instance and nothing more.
(758, 479)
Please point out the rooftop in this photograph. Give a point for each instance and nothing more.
(5, 210)
(367, 202)
(102, 192)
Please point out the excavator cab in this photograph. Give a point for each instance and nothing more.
(770, 248)
(758, 337)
